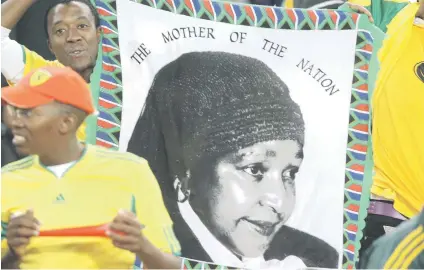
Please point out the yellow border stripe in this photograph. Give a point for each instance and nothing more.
(412, 256)
(401, 247)
(408, 250)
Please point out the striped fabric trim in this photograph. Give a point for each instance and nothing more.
(21, 164)
(172, 240)
(23, 54)
(406, 248)
(412, 256)
(133, 205)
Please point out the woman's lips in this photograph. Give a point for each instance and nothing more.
(264, 228)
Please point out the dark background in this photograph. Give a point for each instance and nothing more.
(30, 31)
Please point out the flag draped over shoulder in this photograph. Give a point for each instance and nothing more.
(398, 106)
(254, 121)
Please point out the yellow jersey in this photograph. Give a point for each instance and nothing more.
(398, 115)
(89, 193)
(33, 61)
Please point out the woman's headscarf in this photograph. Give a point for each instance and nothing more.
(212, 103)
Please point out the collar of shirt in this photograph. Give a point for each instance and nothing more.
(220, 255)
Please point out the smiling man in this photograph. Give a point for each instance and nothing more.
(73, 35)
(64, 183)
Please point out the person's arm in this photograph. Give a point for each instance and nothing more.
(13, 10)
(153, 258)
(16, 60)
(162, 247)
(9, 260)
(13, 58)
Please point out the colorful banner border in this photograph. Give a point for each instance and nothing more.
(110, 96)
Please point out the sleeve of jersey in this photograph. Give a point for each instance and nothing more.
(152, 213)
(17, 60)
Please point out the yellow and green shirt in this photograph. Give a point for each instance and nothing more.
(89, 193)
(398, 115)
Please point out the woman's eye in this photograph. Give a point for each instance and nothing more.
(290, 173)
(82, 26)
(254, 170)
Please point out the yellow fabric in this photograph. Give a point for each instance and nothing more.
(93, 190)
(398, 116)
(289, 4)
(34, 61)
(361, 2)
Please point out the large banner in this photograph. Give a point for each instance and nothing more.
(254, 121)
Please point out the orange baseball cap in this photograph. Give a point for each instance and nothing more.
(49, 84)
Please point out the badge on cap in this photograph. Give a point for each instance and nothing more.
(39, 77)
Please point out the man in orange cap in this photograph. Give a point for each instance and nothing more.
(64, 183)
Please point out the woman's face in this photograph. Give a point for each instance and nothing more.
(254, 195)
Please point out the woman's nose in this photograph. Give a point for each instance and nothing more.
(273, 192)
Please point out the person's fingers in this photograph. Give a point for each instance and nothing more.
(22, 232)
(30, 214)
(127, 215)
(122, 239)
(18, 242)
(124, 228)
(362, 10)
(25, 222)
(128, 218)
(130, 247)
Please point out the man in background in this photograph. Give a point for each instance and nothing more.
(73, 33)
(397, 122)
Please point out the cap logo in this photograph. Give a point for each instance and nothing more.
(419, 71)
(39, 77)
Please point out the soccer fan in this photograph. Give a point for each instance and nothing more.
(65, 183)
(73, 31)
(401, 249)
(397, 105)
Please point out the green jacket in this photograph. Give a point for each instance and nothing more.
(400, 249)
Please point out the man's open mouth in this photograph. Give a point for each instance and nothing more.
(76, 52)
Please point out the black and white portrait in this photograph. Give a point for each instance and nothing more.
(225, 140)
(246, 131)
